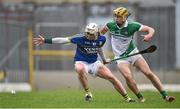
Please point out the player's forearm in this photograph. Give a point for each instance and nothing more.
(103, 30)
(58, 40)
(148, 30)
(151, 32)
(101, 54)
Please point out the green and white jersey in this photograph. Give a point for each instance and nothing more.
(121, 38)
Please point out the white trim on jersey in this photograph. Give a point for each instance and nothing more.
(141, 27)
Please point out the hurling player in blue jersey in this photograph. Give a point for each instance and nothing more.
(88, 47)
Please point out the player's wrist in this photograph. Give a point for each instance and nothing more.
(48, 40)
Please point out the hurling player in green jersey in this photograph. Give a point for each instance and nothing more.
(121, 32)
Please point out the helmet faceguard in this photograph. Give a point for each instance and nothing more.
(91, 31)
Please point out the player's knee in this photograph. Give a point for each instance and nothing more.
(128, 77)
(146, 71)
(149, 75)
(111, 78)
(100, 66)
(79, 69)
(81, 73)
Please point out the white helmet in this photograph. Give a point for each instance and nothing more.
(91, 28)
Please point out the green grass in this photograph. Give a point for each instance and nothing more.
(75, 99)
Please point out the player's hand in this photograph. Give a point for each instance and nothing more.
(146, 38)
(107, 61)
(39, 40)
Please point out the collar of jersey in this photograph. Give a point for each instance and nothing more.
(125, 25)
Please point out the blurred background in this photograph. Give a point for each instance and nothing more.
(24, 67)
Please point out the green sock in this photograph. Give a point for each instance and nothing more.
(126, 97)
(163, 94)
(139, 95)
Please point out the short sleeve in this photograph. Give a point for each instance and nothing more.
(137, 26)
(109, 25)
(76, 39)
(102, 41)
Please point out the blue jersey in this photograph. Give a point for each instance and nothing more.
(87, 50)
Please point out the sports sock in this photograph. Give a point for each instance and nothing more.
(163, 94)
(86, 90)
(126, 97)
(139, 95)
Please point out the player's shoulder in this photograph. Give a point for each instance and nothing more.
(136, 26)
(134, 23)
(78, 36)
(111, 23)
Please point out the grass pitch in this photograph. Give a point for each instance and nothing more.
(75, 99)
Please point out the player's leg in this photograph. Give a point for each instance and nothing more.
(82, 75)
(142, 65)
(105, 73)
(124, 69)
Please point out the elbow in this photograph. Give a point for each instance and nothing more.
(148, 30)
(103, 30)
(153, 31)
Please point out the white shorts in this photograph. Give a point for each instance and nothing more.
(130, 60)
(92, 68)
